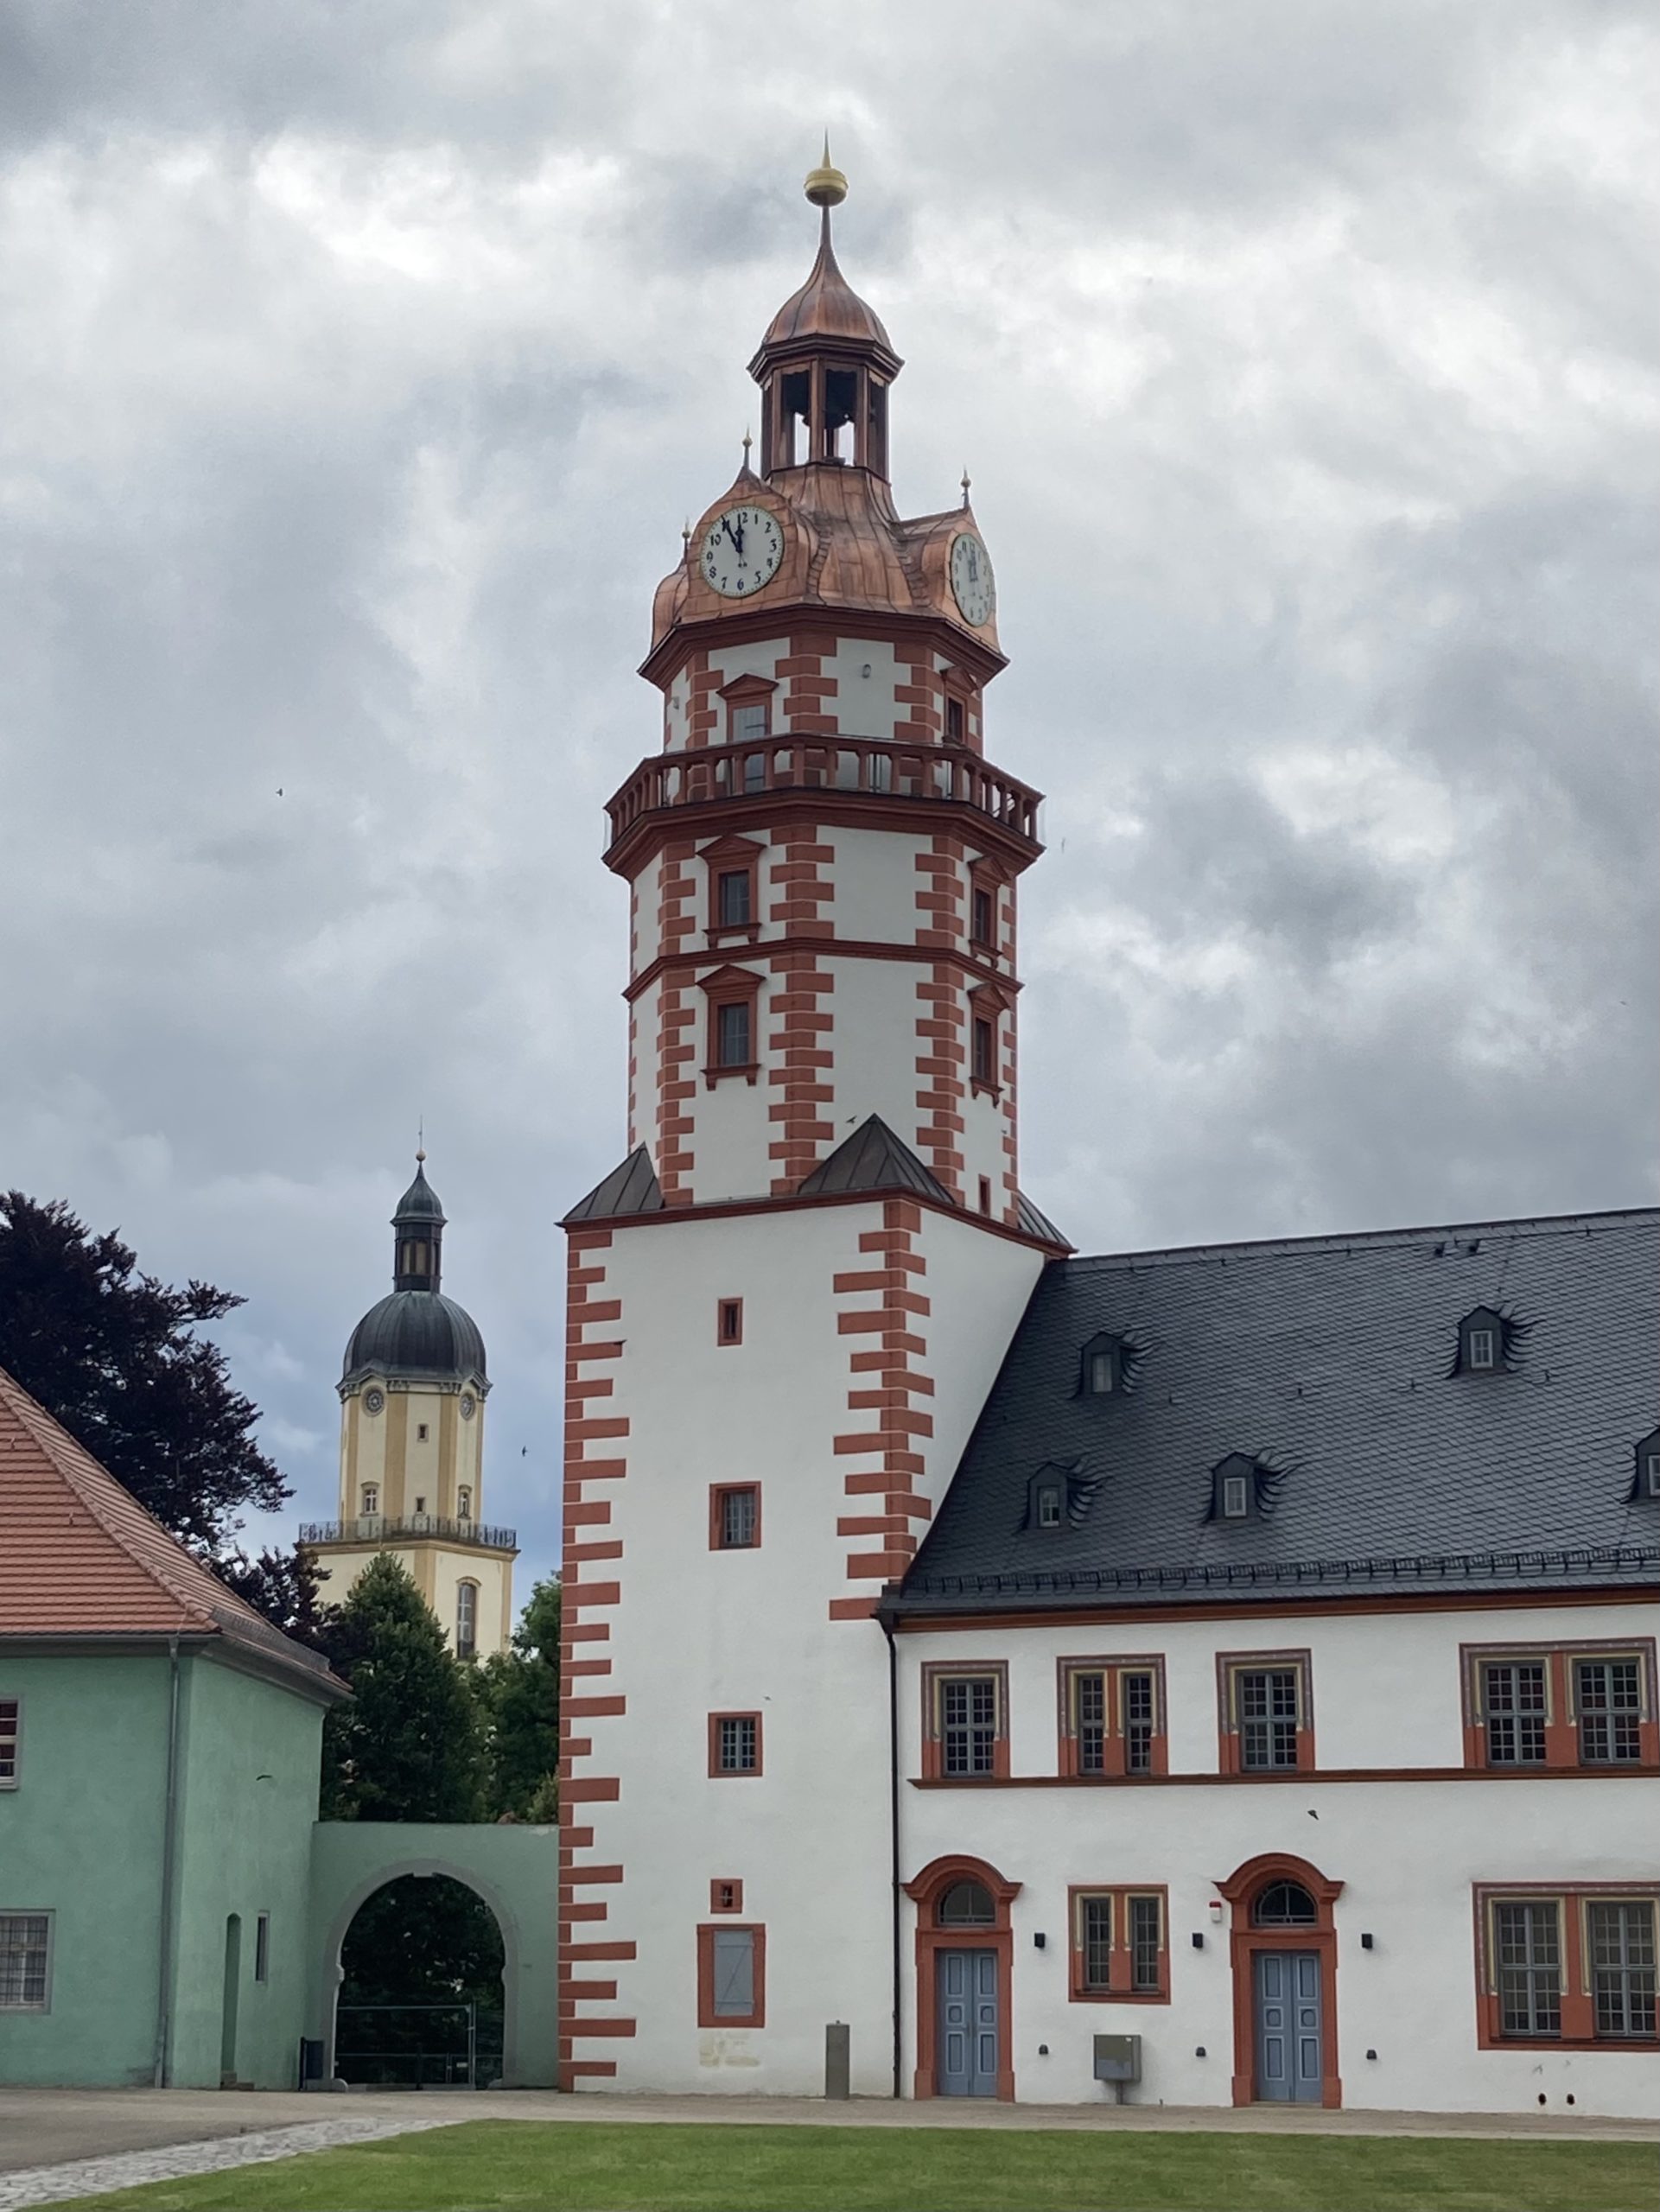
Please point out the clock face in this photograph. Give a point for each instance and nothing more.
(971, 584)
(741, 550)
(469, 1405)
(373, 1401)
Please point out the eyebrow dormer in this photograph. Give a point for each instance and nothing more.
(1104, 1366)
(1242, 1487)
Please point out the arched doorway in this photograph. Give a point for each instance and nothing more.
(423, 1970)
(965, 1956)
(1284, 1954)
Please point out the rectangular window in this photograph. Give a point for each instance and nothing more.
(1528, 1945)
(725, 1896)
(466, 1619)
(734, 1743)
(1608, 1699)
(983, 928)
(1095, 1940)
(11, 1733)
(25, 1961)
(985, 1194)
(1111, 1717)
(955, 720)
(729, 1321)
(964, 1720)
(1513, 1699)
(731, 1976)
(749, 722)
(1619, 1939)
(735, 1517)
(1266, 1712)
(732, 1026)
(1588, 1706)
(1484, 1349)
(262, 1947)
(984, 1049)
(1651, 1473)
(1236, 1497)
(733, 903)
(1120, 1949)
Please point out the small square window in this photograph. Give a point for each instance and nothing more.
(736, 1520)
(725, 1896)
(749, 722)
(420, 1505)
(734, 1743)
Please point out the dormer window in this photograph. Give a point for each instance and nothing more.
(1233, 1488)
(1103, 1368)
(1047, 1514)
(1481, 1342)
(1236, 1496)
(1647, 1482)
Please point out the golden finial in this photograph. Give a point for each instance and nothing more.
(826, 187)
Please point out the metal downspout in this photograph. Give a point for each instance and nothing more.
(170, 1844)
(894, 1840)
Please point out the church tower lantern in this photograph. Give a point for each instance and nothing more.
(411, 1479)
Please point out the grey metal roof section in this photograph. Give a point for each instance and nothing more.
(632, 1188)
(1038, 1224)
(874, 1158)
(1327, 1357)
(416, 1332)
(420, 1202)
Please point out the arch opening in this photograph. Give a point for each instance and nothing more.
(424, 1985)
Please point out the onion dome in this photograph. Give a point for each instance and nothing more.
(417, 1331)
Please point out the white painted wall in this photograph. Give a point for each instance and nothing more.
(866, 706)
(1386, 1693)
(876, 881)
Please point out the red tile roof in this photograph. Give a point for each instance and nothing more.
(79, 1556)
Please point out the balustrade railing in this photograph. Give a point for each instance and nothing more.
(871, 768)
(391, 1529)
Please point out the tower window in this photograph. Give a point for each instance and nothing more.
(985, 1051)
(985, 1195)
(955, 721)
(420, 1432)
(729, 1321)
(733, 903)
(749, 721)
(795, 404)
(841, 413)
(732, 1028)
(372, 1498)
(983, 923)
(466, 1619)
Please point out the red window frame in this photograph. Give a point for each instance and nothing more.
(935, 1674)
(988, 1005)
(987, 880)
(729, 1321)
(1230, 1665)
(1120, 1988)
(725, 1894)
(1578, 2001)
(719, 1773)
(1115, 1739)
(707, 2016)
(718, 1494)
(729, 986)
(1562, 1731)
(746, 691)
(732, 856)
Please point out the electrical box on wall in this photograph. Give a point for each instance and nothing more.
(1117, 2058)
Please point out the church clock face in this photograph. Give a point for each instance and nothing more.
(741, 550)
(971, 584)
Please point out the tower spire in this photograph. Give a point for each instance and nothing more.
(417, 1234)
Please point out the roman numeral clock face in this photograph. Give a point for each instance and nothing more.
(741, 550)
(971, 584)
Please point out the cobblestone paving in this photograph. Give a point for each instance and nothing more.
(95, 2177)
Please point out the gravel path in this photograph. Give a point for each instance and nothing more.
(95, 2177)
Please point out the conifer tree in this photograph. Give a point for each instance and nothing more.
(408, 1744)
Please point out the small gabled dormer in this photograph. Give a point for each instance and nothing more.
(1059, 1497)
(1106, 1366)
(1489, 1341)
(1242, 1487)
(1646, 1475)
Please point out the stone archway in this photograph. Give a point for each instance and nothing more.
(515, 1871)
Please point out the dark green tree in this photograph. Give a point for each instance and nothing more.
(409, 1743)
(114, 1355)
(519, 1689)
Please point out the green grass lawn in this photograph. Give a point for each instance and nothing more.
(583, 2166)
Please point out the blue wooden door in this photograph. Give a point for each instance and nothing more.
(968, 2024)
(1290, 2045)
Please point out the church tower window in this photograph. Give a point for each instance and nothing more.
(371, 1499)
(466, 1619)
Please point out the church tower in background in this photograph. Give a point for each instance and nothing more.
(787, 1302)
(412, 1396)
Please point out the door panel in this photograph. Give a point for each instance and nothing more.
(1290, 2030)
(967, 2034)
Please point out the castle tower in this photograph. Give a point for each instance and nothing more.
(412, 1395)
(786, 1304)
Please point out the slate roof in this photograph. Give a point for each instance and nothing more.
(874, 1158)
(631, 1188)
(1328, 1360)
(80, 1557)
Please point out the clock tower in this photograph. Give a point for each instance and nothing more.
(785, 1304)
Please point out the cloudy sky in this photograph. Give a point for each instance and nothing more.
(359, 360)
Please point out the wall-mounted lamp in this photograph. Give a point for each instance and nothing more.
(1216, 1910)
(1365, 1942)
(1043, 2050)
(1038, 1942)
(1372, 2054)
(1199, 2050)
(1198, 1941)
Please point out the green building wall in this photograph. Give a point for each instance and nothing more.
(82, 1836)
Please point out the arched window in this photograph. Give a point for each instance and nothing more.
(464, 1503)
(372, 1498)
(466, 1619)
(1284, 1905)
(966, 1905)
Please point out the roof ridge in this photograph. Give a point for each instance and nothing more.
(1335, 1242)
